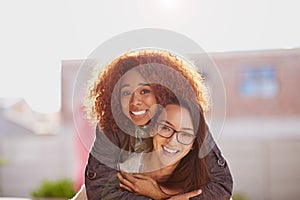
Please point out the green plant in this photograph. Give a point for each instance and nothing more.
(62, 188)
(3, 161)
(239, 196)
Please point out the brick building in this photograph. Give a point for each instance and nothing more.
(261, 134)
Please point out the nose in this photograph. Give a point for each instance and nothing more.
(173, 139)
(135, 98)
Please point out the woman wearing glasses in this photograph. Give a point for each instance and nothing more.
(173, 167)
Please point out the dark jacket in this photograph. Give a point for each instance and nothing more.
(101, 181)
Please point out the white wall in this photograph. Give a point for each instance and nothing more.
(266, 166)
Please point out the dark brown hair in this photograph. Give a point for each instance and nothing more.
(191, 173)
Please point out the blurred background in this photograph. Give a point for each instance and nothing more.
(255, 45)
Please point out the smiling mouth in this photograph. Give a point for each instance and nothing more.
(138, 113)
(171, 151)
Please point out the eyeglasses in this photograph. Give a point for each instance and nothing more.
(167, 132)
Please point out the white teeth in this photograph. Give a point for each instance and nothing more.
(169, 150)
(138, 112)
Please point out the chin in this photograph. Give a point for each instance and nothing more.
(141, 122)
(168, 161)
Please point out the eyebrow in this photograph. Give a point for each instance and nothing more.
(140, 84)
(169, 123)
(144, 84)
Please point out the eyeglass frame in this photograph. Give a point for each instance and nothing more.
(174, 131)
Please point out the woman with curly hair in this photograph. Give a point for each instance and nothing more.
(124, 114)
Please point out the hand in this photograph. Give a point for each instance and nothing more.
(141, 184)
(186, 196)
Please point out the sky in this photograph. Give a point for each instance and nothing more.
(37, 35)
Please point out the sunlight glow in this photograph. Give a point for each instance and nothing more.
(168, 4)
(34, 40)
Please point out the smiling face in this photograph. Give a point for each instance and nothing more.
(137, 98)
(169, 150)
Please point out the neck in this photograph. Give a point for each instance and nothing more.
(157, 170)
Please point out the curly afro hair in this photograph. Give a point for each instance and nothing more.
(161, 68)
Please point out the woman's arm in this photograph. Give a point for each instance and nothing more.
(146, 186)
(100, 176)
(141, 184)
(101, 183)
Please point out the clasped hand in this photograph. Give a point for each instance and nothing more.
(146, 186)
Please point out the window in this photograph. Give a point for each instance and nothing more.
(259, 82)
